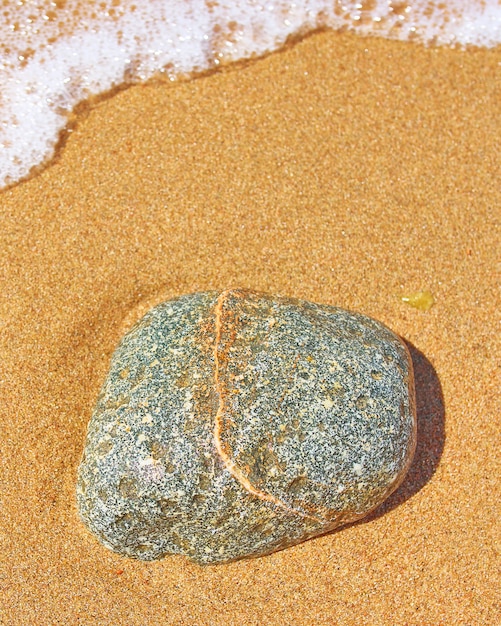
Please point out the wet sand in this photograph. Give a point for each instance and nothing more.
(342, 170)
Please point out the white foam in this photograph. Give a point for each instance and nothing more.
(55, 54)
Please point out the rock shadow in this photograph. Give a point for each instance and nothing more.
(430, 434)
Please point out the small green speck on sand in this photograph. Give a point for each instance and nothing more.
(422, 300)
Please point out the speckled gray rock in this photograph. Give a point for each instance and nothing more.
(234, 424)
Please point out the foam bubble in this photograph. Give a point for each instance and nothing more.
(54, 54)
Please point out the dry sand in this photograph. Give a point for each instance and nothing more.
(342, 170)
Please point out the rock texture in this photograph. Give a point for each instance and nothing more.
(234, 424)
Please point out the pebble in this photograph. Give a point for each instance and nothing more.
(233, 424)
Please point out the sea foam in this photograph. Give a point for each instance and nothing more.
(56, 54)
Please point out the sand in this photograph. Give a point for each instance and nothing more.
(341, 170)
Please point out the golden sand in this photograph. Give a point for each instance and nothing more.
(342, 170)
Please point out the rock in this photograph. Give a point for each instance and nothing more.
(235, 424)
